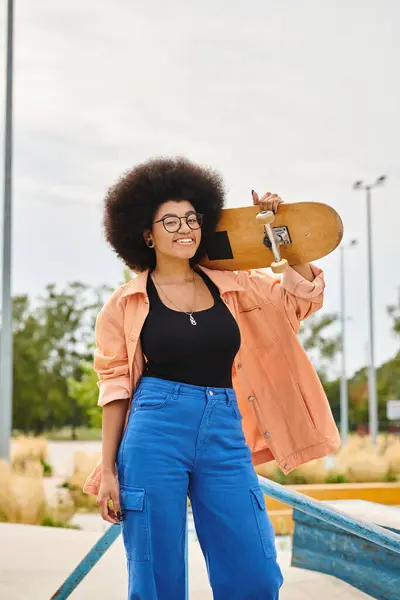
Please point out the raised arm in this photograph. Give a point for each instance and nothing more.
(294, 294)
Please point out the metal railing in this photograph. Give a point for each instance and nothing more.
(373, 533)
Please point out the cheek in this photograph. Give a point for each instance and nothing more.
(163, 239)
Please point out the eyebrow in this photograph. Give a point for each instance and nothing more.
(174, 215)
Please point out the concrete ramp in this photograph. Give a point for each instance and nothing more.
(34, 562)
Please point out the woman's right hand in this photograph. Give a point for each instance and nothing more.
(109, 490)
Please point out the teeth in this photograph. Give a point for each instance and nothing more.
(187, 241)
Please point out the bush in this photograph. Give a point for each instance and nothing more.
(84, 464)
(23, 498)
(367, 467)
(30, 449)
(392, 454)
(49, 521)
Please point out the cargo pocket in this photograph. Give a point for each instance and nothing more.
(135, 526)
(265, 528)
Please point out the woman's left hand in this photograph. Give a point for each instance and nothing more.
(267, 202)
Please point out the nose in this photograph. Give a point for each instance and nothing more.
(184, 227)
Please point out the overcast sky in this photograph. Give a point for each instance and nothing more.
(298, 97)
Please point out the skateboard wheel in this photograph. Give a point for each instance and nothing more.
(280, 266)
(267, 217)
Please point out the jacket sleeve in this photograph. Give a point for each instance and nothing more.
(111, 359)
(298, 297)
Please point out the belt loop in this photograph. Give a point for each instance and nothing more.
(228, 400)
(176, 390)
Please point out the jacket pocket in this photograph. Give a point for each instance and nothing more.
(307, 408)
(135, 526)
(265, 528)
(257, 329)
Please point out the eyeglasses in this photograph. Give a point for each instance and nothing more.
(172, 224)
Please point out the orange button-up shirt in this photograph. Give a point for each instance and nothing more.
(286, 415)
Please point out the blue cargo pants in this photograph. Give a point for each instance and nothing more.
(185, 440)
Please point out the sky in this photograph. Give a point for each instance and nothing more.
(297, 97)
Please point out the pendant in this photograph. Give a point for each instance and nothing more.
(192, 320)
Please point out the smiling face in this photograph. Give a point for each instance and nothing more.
(181, 244)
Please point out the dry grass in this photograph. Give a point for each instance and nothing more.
(27, 449)
(392, 455)
(23, 499)
(356, 461)
(84, 464)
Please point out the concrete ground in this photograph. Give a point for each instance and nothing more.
(34, 561)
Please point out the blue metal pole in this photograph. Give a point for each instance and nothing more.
(372, 533)
(372, 391)
(344, 399)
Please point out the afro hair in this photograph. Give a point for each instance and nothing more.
(132, 202)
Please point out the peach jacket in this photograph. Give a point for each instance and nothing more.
(286, 415)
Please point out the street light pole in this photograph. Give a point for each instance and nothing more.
(372, 396)
(372, 393)
(344, 396)
(6, 340)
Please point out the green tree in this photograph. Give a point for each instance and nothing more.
(50, 342)
(318, 337)
(85, 393)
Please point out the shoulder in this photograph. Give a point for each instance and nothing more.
(248, 277)
(114, 307)
(254, 282)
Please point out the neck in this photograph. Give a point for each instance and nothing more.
(173, 271)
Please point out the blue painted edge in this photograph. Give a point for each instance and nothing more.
(367, 578)
(87, 563)
(372, 533)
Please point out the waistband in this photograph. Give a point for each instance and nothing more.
(155, 383)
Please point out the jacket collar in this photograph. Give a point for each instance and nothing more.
(224, 280)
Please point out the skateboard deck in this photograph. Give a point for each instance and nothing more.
(302, 232)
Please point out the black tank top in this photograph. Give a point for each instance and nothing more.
(199, 354)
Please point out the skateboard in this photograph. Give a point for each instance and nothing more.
(246, 238)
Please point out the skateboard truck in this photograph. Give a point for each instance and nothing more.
(280, 264)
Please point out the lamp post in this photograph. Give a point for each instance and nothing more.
(6, 340)
(372, 395)
(344, 396)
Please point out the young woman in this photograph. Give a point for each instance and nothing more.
(218, 382)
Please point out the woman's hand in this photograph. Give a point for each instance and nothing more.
(267, 202)
(272, 202)
(109, 490)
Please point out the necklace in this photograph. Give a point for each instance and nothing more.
(189, 314)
